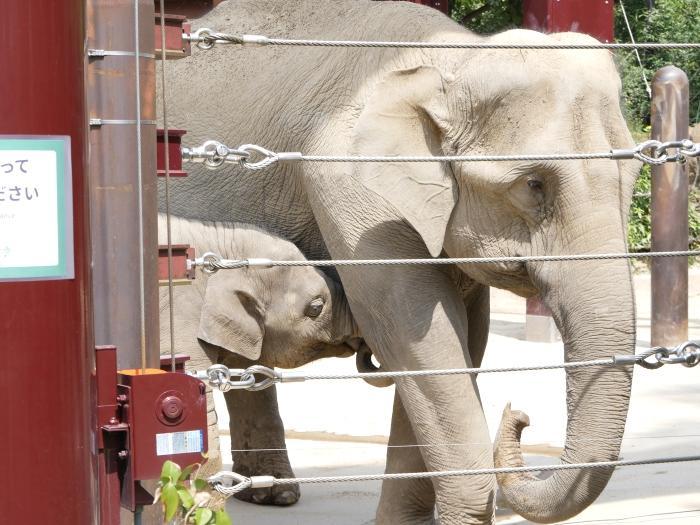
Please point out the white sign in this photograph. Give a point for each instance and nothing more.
(36, 234)
(179, 443)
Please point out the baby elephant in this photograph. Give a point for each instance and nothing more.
(278, 317)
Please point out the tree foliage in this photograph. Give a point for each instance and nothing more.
(667, 21)
(488, 16)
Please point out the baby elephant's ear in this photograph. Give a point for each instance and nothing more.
(232, 319)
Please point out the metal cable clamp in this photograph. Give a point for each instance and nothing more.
(265, 156)
(206, 38)
(687, 354)
(214, 154)
(655, 152)
(211, 263)
(219, 377)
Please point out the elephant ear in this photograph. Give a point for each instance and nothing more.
(406, 115)
(232, 319)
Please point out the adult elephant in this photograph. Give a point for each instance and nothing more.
(430, 102)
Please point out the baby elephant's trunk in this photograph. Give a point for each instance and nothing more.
(364, 363)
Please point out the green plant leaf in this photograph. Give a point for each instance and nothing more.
(171, 501)
(170, 472)
(203, 516)
(185, 497)
(221, 518)
(187, 471)
(200, 484)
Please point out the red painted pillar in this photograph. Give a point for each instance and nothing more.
(595, 18)
(46, 441)
(440, 5)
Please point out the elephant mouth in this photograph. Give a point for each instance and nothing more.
(519, 281)
(343, 348)
(355, 343)
(511, 276)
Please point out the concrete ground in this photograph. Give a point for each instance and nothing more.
(341, 427)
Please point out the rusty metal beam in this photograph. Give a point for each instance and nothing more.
(190, 8)
(116, 236)
(175, 26)
(173, 152)
(669, 211)
(112, 94)
(180, 254)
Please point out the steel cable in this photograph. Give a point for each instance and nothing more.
(243, 482)
(212, 262)
(206, 38)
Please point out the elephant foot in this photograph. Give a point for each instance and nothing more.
(279, 495)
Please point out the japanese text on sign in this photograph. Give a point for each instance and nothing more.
(35, 209)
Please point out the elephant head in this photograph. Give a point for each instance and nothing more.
(282, 316)
(533, 102)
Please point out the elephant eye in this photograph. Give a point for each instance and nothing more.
(314, 308)
(535, 184)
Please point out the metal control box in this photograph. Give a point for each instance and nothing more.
(167, 416)
(144, 418)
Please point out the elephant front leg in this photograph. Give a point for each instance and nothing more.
(255, 423)
(409, 500)
(421, 323)
(413, 501)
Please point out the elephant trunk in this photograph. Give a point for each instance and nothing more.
(594, 310)
(363, 361)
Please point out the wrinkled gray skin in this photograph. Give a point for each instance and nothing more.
(422, 102)
(277, 317)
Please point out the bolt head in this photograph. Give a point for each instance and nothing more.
(172, 407)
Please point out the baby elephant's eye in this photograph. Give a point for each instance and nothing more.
(535, 184)
(314, 308)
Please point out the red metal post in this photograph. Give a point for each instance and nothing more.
(593, 17)
(112, 435)
(175, 27)
(189, 8)
(173, 152)
(47, 440)
(440, 5)
(181, 253)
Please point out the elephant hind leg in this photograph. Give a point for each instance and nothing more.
(405, 501)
